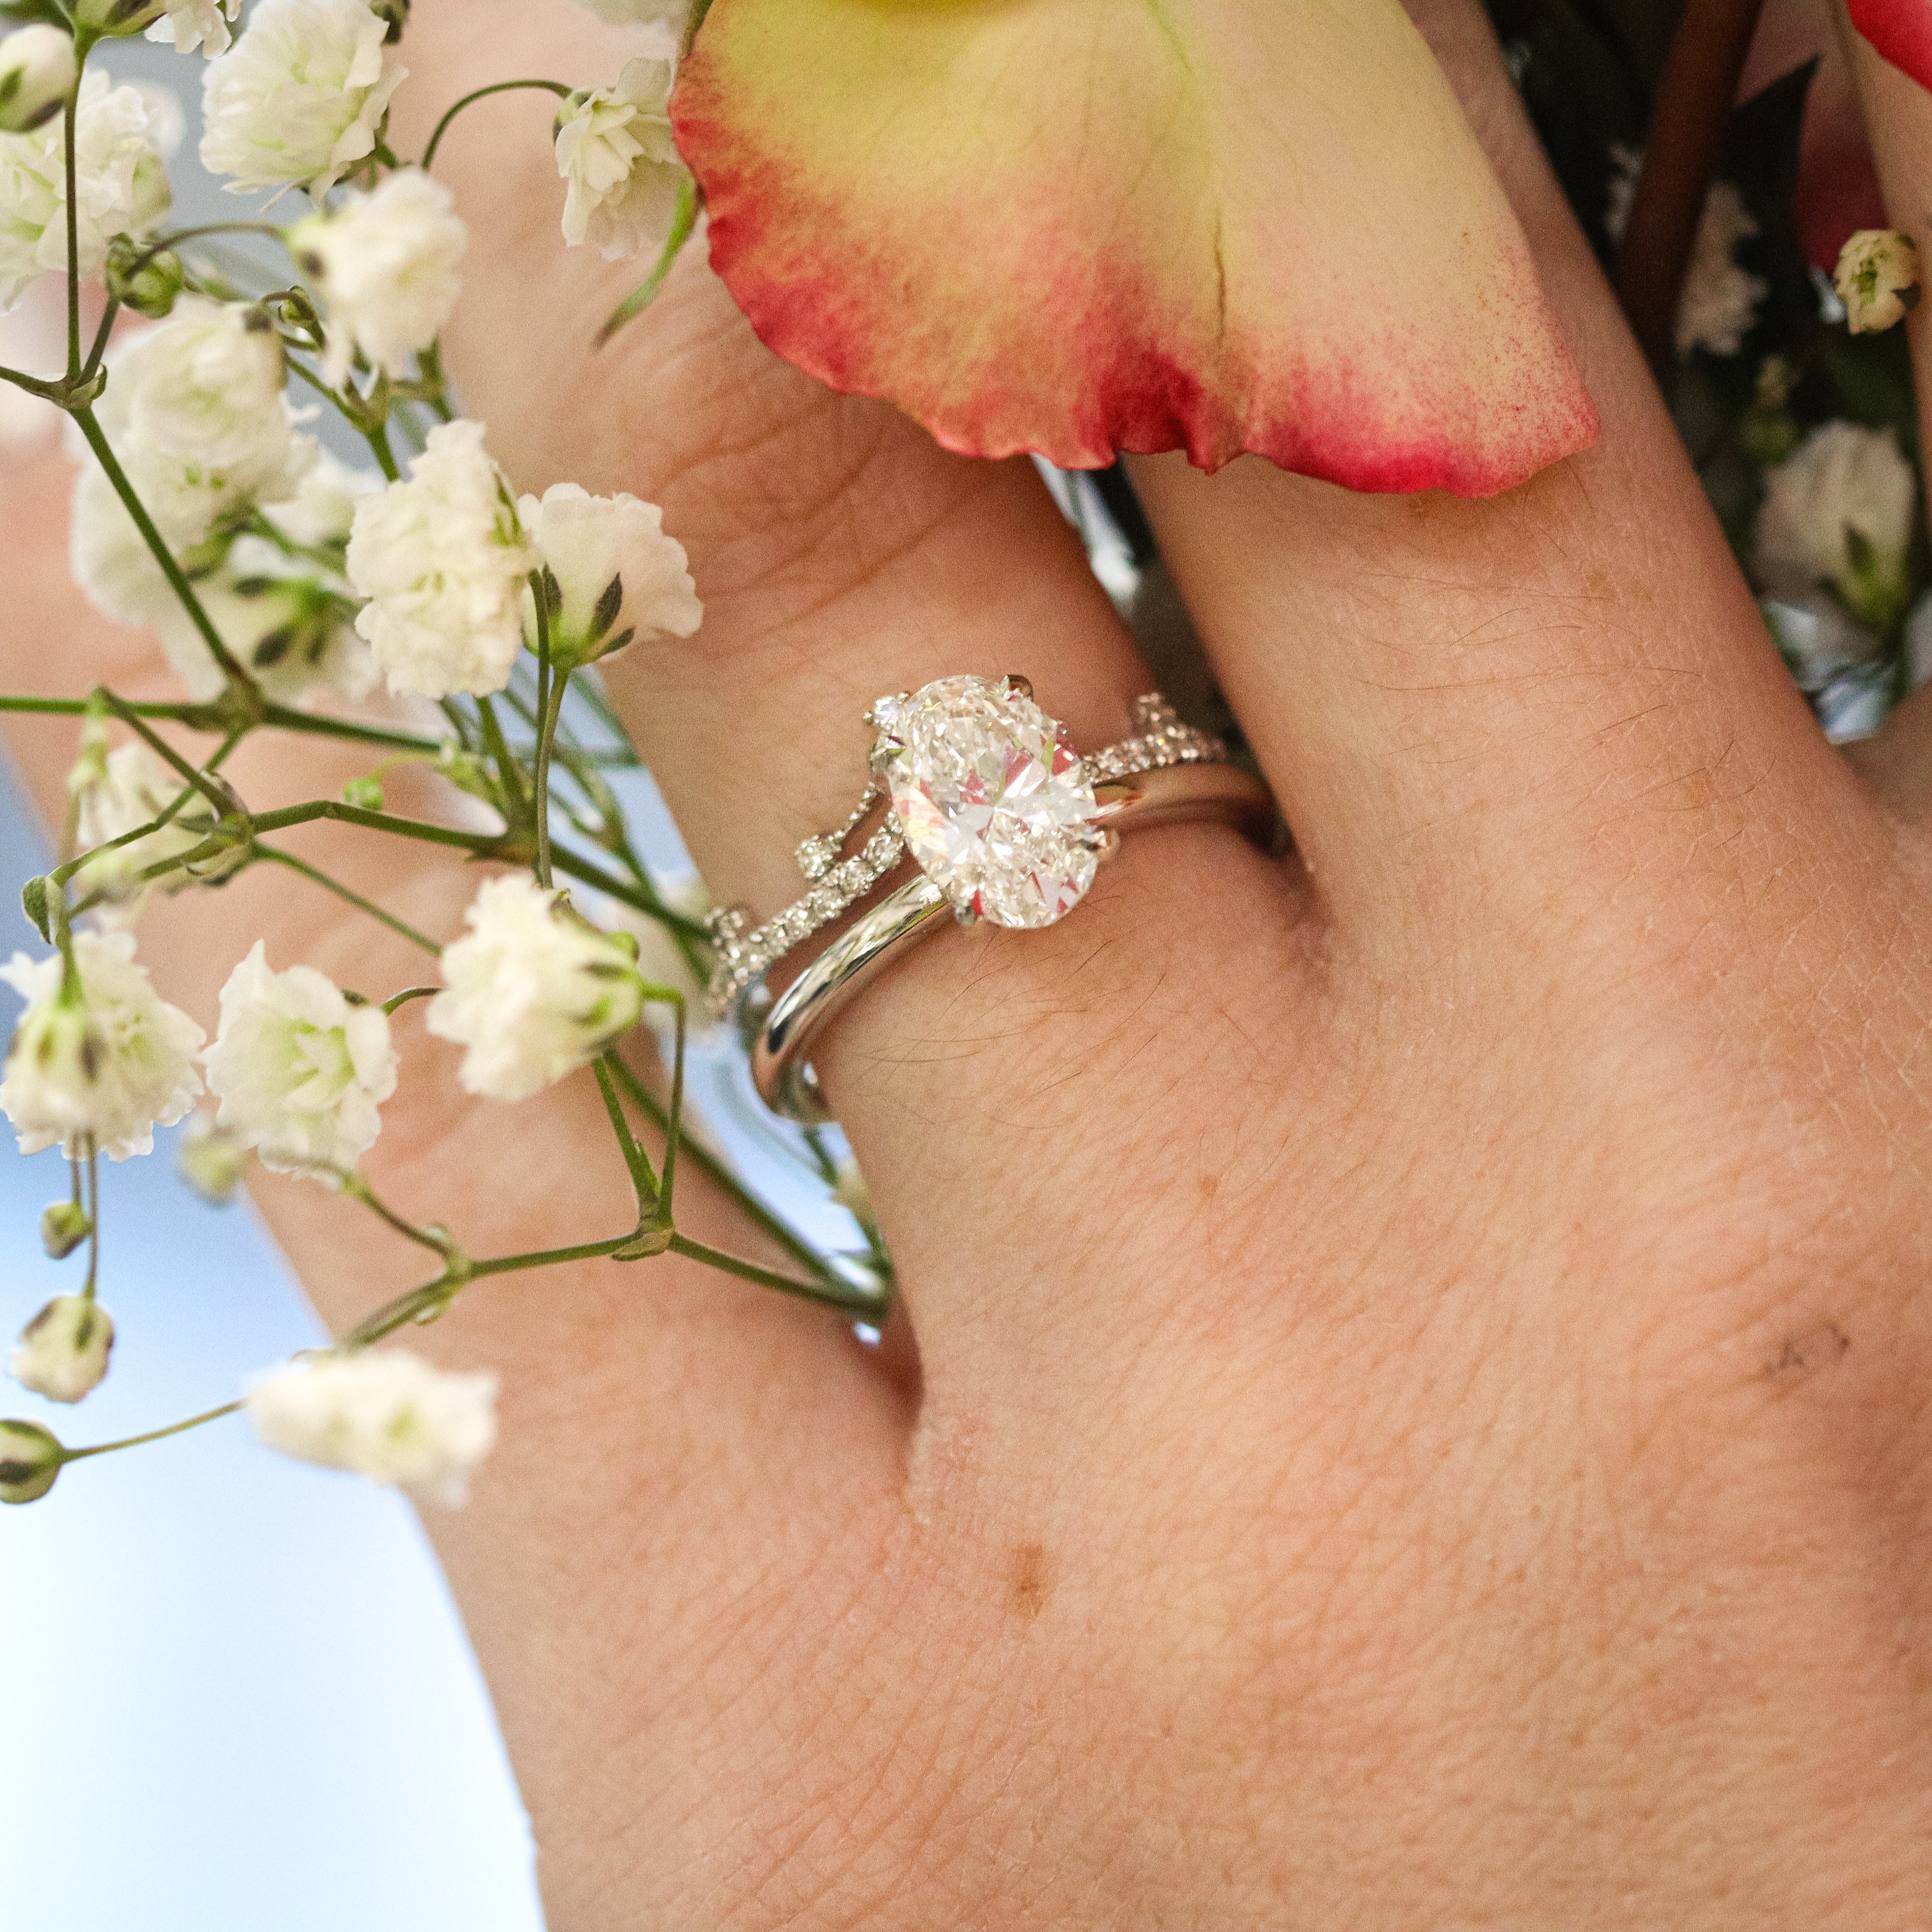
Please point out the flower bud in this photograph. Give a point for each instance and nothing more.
(63, 1352)
(1877, 279)
(212, 1161)
(30, 1459)
(396, 13)
(145, 280)
(116, 19)
(63, 1228)
(365, 794)
(37, 71)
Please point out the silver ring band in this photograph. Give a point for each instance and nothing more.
(1177, 794)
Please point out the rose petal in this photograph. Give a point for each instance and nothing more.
(1077, 227)
(1901, 30)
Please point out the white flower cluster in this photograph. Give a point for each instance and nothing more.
(1877, 279)
(533, 991)
(611, 575)
(300, 1072)
(387, 265)
(99, 1063)
(122, 136)
(300, 98)
(388, 1415)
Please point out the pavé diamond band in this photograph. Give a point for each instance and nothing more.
(1007, 823)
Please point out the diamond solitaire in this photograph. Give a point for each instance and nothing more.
(994, 803)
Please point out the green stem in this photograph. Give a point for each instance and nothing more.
(378, 442)
(358, 1188)
(645, 292)
(70, 122)
(707, 1163)
(550, 688)
(643, 1183)
(97, 441)
(93, 1220)
(276, 855)
(555, 87)
(872, 1302)
(101, 335)
(674, 1132)
(222, 801)
(480, 844)
(213, 718)
(152, 1435)
(396, 1000)
(33, 385)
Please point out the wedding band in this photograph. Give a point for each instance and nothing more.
(1007, 823)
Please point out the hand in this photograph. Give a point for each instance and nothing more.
(1419, 1417)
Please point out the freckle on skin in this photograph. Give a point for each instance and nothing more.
(1211, 1185)
(1031, 1587)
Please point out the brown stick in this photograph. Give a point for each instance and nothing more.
(1694, 101)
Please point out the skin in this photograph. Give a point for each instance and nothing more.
(1413, 1407)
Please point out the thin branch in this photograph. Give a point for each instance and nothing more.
(555, 87)
(276, 855)
(1694, 100)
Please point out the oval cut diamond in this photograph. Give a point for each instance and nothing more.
(994, 804)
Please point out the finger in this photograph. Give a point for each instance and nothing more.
(841, 556)
(1898, 122)
(1480, 710)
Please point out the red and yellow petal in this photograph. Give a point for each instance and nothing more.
(1084, 226)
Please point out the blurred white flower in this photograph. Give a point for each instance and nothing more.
(1719, 304)
(669, 15)
(388, 1415)
(1838, 514)
(36, 69)
(211, 1160)
(109, 1064)
(614, 149)
(113, 794)
(610, 573)
(121, 183)
(443, 562)
(1877, 279)
(62, 1353)
(33, 337)
(195, 411)
(388, 265)
(533, 990)
(301, 1073)
(299, 98)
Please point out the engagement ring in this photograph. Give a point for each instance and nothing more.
(1007, 824)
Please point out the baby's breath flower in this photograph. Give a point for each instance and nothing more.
(300, 1072)
(63, 1226)
(62, 1353)
(1838, 515)
(387, 265)
(114, 793)
(1877, 279)
(443, 562)
(299, 98)
(533, 990)
(610, 573)
(387, 1415)
(194, 410)
(670, 14)
(615, 150)
(101, 1064)
(37, 70)
(30, 1459)
(120, 136)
